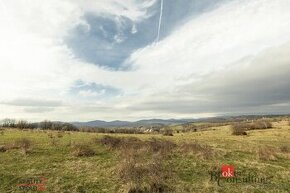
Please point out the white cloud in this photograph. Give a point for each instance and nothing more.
(216, 40)
(134, 10)
(134, 29)
(36, 64)
(215, 44)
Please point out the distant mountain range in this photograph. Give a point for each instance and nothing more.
(117, 123)
(152, 122)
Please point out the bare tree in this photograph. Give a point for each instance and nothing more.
(10, 123)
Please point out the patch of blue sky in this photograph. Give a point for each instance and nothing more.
(107, 41)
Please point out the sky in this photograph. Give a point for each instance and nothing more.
(81, 60)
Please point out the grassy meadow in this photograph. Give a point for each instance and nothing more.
(81, 162)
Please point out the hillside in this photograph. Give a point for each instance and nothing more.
(78, 162)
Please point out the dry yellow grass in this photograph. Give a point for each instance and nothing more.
(98, 173)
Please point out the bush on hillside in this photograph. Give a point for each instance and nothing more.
(261, 124)
(23, 144)
(82, 150)
(168, 132)
(240, 128)
(267, 153)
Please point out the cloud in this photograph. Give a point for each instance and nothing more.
(91, 90)
(33, 102)
(107, 40)
(215, 61)
(259, 85)
(38, 110)
(213, 58)
(135, 10)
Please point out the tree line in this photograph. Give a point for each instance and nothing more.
(44, 125)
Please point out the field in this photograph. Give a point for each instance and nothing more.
(186, 162)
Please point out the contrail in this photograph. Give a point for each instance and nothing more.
(160, 20)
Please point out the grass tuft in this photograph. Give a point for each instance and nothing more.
(267, 153)
(82, 150)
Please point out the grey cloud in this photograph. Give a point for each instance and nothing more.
(33, 102)
(39, 109)
(264, 81)
(259, 84)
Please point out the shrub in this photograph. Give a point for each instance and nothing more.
(168, 132)
(111, 142)
(188, 127)
(266, 153)
(143, 175)
(24, 144)
(121, 143)
(69, 144)
(88, 129)
(285, 149)
(9, 146)
(59, 135)
(191, 147)
(161, 146)
(3, 148)
(112, 130)
(206, 153)
(132, 143)
(50, 135)
(240, 128)
(201, 151)
(129, 130)
(82, 150)
(141, 168)
(127, 143)
(261, 124)
(54, 141)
